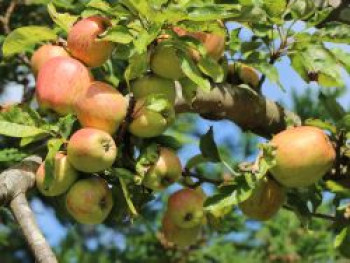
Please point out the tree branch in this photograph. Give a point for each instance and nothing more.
(14, 183)
(242, 106)
(341, 12)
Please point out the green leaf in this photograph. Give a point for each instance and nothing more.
(191, 71)
(302, 9)
(118, 34)
(127, 197)
(336, 188)
(334, 32)
(19, 131)
(168, 141)
(24, 38)
(342, 57)
(332, 106)
(208, 146)
(12, 155)
(53, 146)
(189, 89)
(324, 125)
(211, 68)
(65, 125)
(148, 156)
(138, 65)
(196, 160)
(63, 20)
(341, 237)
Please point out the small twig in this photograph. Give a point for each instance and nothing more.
(5, 19)
(316, 215)
(201, 179)
(127, 120)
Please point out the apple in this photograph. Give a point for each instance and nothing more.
(185, 208)
(61, 82)
(214, 43)
(265, 201)
(303, 156)
(64, 175)
(83, 42)
(102, 107)
(147, 123)
(89, 201)
(152, 84)
(45, 53)
(165, 63)
(182, 237)
(164, 172)
(91, 150)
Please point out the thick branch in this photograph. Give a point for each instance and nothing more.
(14, 183)
(243, 106)
(341, 12)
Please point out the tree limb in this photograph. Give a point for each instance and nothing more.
(243, 106)
(14, 183)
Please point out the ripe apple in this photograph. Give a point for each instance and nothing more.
(185, 208)
(90, 150)
(214, 43)
(182, 237)
(265, 201)
(165, 171)
(89, 201)
(149, 123)
(303, 156)
(61, 82)
(102, 107)
(45, 53)
(165, 63)
(83, 41)
(64, 175)
(152, 84)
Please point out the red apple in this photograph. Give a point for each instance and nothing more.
(182, 237)
(61, 82)
(303, 156)
(185, 208)
(102, 107)
(166, 170)
(45, 53)
(90, 150)
(83, 41)
(64, 175)
(89, 201)
(265, 201)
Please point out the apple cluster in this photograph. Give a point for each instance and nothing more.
(182, 222)
(303, 156)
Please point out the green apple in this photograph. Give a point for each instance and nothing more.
(164, 172)
(266, 200)
(89, 201)
(151, 84)
(181, 237)
(303, 156)
(185, 208)
(148, 121)
(64, 175)
(166, 63)
(90, 150)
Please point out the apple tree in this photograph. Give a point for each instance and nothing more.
(111, 93)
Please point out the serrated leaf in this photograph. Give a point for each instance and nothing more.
(208, 146)
(334, 32)
(19, 131)
(168, 141)
(63, 20)
(12, 155)
(65, 125)
(24, 38)
(148, 156)
(127, 197)
(118, 34)
(138, 65)
(302, 9)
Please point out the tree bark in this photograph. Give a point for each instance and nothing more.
(14, 183)
(243, 106)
